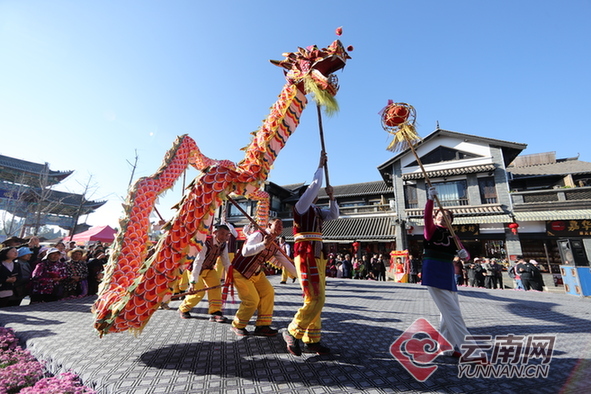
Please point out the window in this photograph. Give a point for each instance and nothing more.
(275, 203)
(488, 191)
(410, 196)
(245, 205)
(452, 193)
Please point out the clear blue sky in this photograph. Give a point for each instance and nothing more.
(84, 84)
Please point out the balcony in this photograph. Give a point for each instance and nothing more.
(563, 198)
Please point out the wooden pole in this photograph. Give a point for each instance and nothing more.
(445, 218)
(257, 226)
(191, 292)
(321, 130)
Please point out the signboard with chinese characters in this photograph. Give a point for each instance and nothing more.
(466, 229)
(568, 228)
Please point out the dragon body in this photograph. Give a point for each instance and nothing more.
(135, 284)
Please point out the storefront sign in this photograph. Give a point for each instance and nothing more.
(568, 228)
(466, 229)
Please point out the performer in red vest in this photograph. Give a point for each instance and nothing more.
(254, 289)
(203, 274)
(310, 262)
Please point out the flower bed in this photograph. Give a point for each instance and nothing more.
(20, 372)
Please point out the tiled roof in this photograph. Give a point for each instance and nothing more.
(569, 214)
(29, 167)
(480, 210)
(450, 172)
(351, 229)
(360, 189)
(558, 168)
(469, 220)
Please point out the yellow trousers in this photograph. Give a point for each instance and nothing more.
(256, 294)
(208, 278)
(284, 275)
(306, 323)
(219, 266)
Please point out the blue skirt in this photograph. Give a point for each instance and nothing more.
(438, 271)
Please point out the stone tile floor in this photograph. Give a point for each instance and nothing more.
(361, 320)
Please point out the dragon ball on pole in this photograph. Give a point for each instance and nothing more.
(399, 120)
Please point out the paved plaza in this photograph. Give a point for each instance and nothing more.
(361, 320)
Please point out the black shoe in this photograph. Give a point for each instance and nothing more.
(265, 331)
(185, 315)
(241, 332)
(218, 318)
(282, 282)
(293, 280)
(293, 345)
(316, 348)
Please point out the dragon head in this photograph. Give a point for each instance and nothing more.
(312, 69)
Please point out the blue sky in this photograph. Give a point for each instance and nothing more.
(85, 84)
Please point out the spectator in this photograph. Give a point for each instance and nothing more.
(95, 270)
(23, 285)
(48, 278)
(538, 281)
(9, 275)
(458, 271)
(77, 283)
(12, 242)
(347, 267)
(414, 269)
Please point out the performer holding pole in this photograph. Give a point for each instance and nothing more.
(203, 275)
(254, 289)
(441, 243)
(310, 262)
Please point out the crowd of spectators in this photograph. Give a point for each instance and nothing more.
(344, 266)
(45, 273)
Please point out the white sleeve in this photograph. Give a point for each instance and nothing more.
(225, 258)
(332, 212)
(232, 229)
(311, 192)
(254, 244)
(198, 264)
(285, 262)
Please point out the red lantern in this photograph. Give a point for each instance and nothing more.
(514, 226)
(396, 115)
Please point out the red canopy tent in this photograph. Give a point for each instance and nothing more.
(97, 233)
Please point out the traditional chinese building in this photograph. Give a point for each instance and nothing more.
(26, 192)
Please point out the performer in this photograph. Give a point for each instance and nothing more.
(204, 275)
(311, 265)
(287, 249)
(438, 273)
(254, 289)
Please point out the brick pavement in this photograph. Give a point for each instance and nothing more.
(361, 320)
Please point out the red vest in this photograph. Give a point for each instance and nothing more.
(248, 266)
(212, 254)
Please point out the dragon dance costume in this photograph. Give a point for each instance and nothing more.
(254, 289)
(309, 260)
(203, 274)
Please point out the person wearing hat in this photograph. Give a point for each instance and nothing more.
(12, 242)
(48, 277)
(77, 283)
(22, 287)
(9, 274)
(204, 275)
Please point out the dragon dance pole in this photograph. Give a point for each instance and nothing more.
(191, 292)
(399, 119)
(256, 225)
(321, 130)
